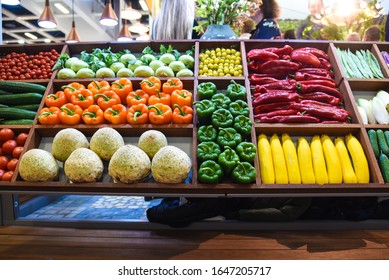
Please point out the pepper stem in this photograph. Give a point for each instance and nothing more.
(106, 97)
(91, 114)
(182, 113)
(67, 111)
(208, 170)
(120, 86)
(55, 97)
(136, 115)
(114, 112)
(157, 110)
(229, 134)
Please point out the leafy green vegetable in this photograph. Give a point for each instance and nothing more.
(61, 62)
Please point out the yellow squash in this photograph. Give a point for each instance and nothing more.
(349, 176)
(305, 161)
(358, 157)
(319, 164)
(291, 159)
(280, 170)
(334, 168)
(265, 160)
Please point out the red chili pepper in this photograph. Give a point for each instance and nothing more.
(313, 88)
(286, 57)
(287, 112)
(325, 64)
(280, 96)
(290, 119)
(260, 54)
(255, 65)
(263, 90)
(316, 52)
(262, 80)
(280, 51)
(299, 76)
(322, 104)
(278, 85)
(275, 76)
(305, 58)
(265, 108)
(317, 71)
(322, 97)
(279, 66)
(326, 83)
(322, 111)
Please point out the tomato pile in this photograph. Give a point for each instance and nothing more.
(11, 148)
(21, 66)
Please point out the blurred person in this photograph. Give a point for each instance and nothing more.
(354, 36)
(175, 21)
(290, 34)
(373, 33)
(266, 16)
(247, 28)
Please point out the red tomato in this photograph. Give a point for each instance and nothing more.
(1, 173)
(7, 176)
(9, 146)
(11, 165)
(3, 162)
(21, 139)
(17, 152)
(6, 134)
(1, 151)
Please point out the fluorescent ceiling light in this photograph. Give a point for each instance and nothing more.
(21, 41)
(47, 40)
(61, 7)
(144, 6)
(10, 2)
(31, 36)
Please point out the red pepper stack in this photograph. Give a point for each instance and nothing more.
(294, 86)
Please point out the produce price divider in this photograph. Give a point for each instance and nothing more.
(346, 86)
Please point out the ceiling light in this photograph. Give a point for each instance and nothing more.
(130, 13)
(20, 41)
(61, 7)
(31, 36)
(108, 17)
(47, 20)
(138, 28)
(10, 2)
(73, 36)
(124, 35)
(144, 6)
(47, 40)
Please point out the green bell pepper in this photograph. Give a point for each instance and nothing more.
(236, 91)
(206, 90)
(222, 118)
(204, 110)
(221, 101)
(228, 137)
(243, 125)
(208, 151)
(210, 172)
(228, 160)
(206, 133)
(239, 108)
(244, 173)
(246, 151)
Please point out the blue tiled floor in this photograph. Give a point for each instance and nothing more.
(95, 207)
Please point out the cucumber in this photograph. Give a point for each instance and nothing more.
(21, 87)
(16, 114)
(17, 122)
(3, 92)
(382, 142)
(374, 142)
(386, 133)
(20, 99)
(30, 107)
(384, 166)
(3, 106)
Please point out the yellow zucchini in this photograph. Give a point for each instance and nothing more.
(265, 160)
(349, 176)
(334, 168)
(358, 157)
(280, 170)
(305, 161)
(318, 161)
(292, 163)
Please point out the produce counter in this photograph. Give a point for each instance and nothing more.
(185, 136)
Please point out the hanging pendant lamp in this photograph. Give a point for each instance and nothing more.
(108, 17)
(130, 13)
(124, 35)
(10, 2)
(73, 36)
(47, 20)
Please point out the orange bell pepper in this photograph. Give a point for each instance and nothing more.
(49, 115)
(137, 97)
(71, 88)
(160, 114)
(83, 98)
(160, 97)
(56, 100)
(98, 87)
(182, 115)
(122, 88)
(138, 114)
(171, 85)
(70, 114)
(93, 115)
(151, 85)
(182, 98)
(107, 99)
(116, 114)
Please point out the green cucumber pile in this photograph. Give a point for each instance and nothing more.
(19, 102)
(379, 141)
(361, 64)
